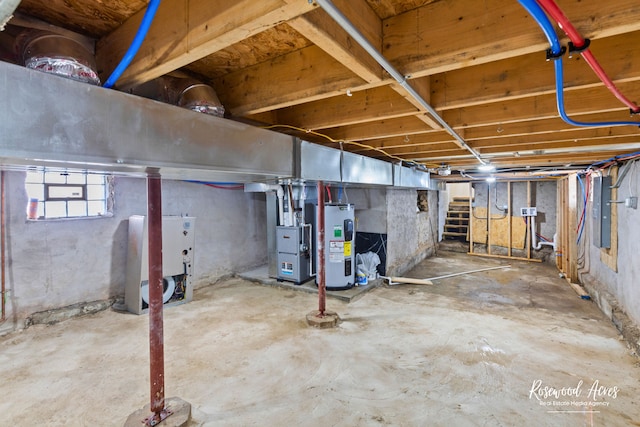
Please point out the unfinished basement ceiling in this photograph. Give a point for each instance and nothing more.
(481, 65)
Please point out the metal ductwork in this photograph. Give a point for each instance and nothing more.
(7, 7)
(57, 54)
(184, 91)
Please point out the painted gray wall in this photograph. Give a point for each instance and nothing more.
(623, 284)
(53, 264)
(412, 236)
(370, 208)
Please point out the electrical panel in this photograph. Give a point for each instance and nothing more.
(178, 238)
(602, 211)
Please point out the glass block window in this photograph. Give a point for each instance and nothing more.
(59, 193)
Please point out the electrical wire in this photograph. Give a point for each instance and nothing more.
(582, 221)
(555, 53)
(145, 24)
(220, 185)
(582, 45)
(344, 141)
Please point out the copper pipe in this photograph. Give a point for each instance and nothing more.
(156, 340)
(322, 294)
(2, 244)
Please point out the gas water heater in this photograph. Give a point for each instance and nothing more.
(339, 242)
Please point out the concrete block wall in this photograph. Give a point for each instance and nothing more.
(53, 264)
(412, 236)
(622, 282)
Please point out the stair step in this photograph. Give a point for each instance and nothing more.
(456, 228)
(453, 234)
(461, 199)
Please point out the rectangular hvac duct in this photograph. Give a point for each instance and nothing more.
(48, 120)
(405, 177)
(318, 163)
(358, 169)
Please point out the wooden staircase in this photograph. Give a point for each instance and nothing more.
(457, 223)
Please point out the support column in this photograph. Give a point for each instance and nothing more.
(160, 409)
(321, 318)
(156, 327)
(320, 274)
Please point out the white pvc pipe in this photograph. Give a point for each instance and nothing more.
(280, 194)
(534, 237)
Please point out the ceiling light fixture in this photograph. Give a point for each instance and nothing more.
(486, 167)
(491, 179)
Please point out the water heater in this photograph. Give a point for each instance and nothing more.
(339, 242)
(178, 239)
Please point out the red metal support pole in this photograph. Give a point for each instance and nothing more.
(3, 238)
(320, 273)
(156, 338)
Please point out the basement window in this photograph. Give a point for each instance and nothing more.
(57, 194)
(423, 201)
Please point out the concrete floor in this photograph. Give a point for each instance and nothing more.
(467, 351)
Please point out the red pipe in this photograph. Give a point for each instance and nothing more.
(320, 273)
(156, 339)
(579, 42)
(2, 244)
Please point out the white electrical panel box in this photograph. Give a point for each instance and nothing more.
(178, 238)
(528, 211)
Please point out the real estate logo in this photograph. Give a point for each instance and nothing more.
(578, 398)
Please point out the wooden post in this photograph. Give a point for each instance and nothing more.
(528, 232)
(509, 226)
(572, 224)
(470, 218)
(488, 218)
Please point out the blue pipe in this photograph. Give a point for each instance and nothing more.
(563, 113)
(556, 52)
(545, 24)
(211, 182)
(615, 158)
(149, 14)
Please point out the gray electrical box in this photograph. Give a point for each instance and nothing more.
(602, 211)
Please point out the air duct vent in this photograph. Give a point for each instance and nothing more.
(201, 98)
(60, 55)
(184, 91)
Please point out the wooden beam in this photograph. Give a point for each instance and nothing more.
(530, 75)
(550, 160)
(272, 85)
(358, 107)
(325, 33)
(455, 34)
(183, 32)
(550, 128)
(577, 102)
(405, 126)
